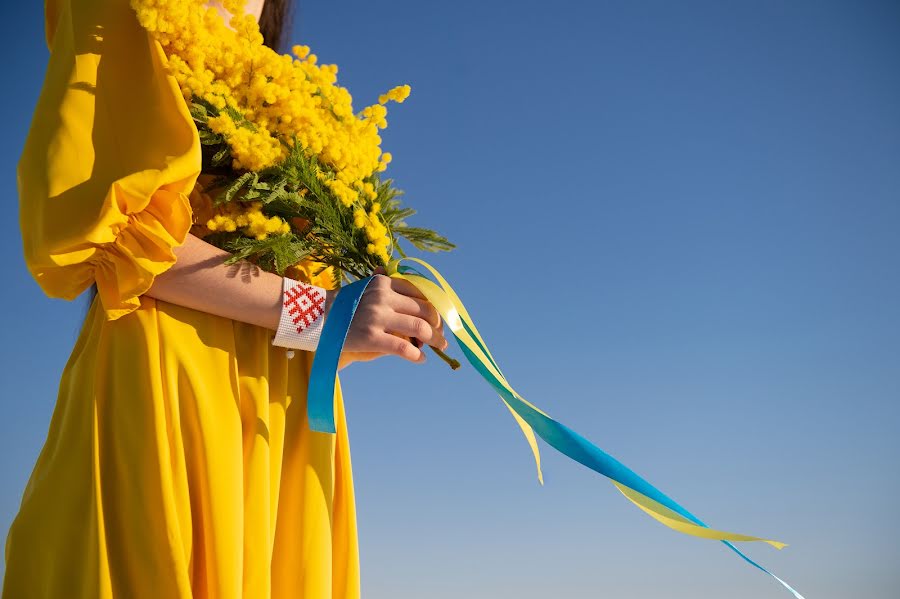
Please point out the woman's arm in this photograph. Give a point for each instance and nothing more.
(390, 313)
(200, 280)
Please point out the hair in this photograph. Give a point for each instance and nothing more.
(273, 22)
(275, 18)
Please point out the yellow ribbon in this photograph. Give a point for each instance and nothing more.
(453, 311)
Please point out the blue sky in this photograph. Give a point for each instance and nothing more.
(678, 229)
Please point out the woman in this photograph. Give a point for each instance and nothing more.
(178, 462)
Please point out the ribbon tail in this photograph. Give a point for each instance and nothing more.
(568, 442)
(676, 521)
(529, 436)
(744, 557)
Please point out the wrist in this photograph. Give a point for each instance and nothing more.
(301, 316)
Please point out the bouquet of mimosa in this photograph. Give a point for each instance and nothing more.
(295, 173)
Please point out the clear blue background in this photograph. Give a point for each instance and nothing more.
(678, 228)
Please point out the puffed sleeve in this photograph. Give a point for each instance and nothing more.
(110, 160)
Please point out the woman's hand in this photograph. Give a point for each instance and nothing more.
(393, 318)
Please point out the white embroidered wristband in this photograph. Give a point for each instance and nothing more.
(302, 316)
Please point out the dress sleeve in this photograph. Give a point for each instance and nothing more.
(110, 159)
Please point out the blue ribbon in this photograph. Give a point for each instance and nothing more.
(323, 373)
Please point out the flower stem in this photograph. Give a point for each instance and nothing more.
(453, 363)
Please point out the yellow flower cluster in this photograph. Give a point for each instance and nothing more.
(280, 96)
(252, 221)
(251, 150)
(398, 94)
(376, 232)
(346, 194)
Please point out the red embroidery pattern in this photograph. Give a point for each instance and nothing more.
(304, 305)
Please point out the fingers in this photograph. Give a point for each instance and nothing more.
(399, 292)
(404, 287)
(419, 308)
(431, 332)
(417, 328)
(398, 346)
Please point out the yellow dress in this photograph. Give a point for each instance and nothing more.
(178, 462)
